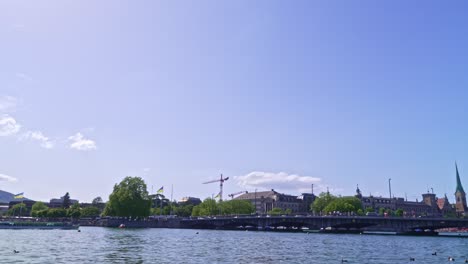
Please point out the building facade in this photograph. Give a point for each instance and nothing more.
(427, 207)
(189, 200)
(265, 201)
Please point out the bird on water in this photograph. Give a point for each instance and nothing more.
(412, 259)
(451, 259)
(434, 254)
(343, 260)
(15, 251)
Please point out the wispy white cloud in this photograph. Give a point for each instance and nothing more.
(4, 177)
(8, 103)
(38, 136)
(280, 181)
(18, 27)
(8, 125)
(79, 142)
(23, 76)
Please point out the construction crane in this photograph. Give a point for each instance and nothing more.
(234, 194)
(221, 181)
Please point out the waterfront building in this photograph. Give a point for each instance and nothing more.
(267, 200)
(58, 202)
(428, 206)
(460, 197)
(445, 207)
(189, 200)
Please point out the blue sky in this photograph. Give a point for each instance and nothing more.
(272, 94)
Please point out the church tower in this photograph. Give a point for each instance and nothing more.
(460, 197)
(358, 193)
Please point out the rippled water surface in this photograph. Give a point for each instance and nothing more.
(106, 245)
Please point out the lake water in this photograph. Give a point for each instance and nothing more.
(106, 245)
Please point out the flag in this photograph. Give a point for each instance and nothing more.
(218, 196)
(19, 195)
(161, 190)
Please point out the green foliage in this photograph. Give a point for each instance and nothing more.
(97, 200)
(360, 212)
(207, 207)
(42, 213)
(56, 212)
(211, 207)
(90, 211)
(18, 210)
(232, 207)
(369, 210)
(183, 210)
(344, 205)
(66, 201)
(275, 211)
(381, 211)
(74, 211)
(38, 207)
(399, 212)
(129, 198)
(166, 210)
(322, 201)
(288, 211)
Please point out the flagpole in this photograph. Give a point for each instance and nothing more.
(161, 202)
(170, 202)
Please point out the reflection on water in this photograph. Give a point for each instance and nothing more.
(106, 245)
(124, 246)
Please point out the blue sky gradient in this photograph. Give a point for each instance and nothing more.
(333, 93)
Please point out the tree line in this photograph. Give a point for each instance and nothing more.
(40, 209)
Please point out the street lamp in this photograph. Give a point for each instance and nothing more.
(390, 187)
(255, 201)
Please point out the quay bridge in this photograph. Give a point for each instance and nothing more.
(338, 223)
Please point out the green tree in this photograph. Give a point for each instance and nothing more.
(322, 201)
(74, 211)
(90, 211)
(344, 205)
(381, 211)
(18, 210)
(183, 210)
(37, 207)
(56, 212)
(66, 201)
(399, 212)
(166, 210)
(207, 207)
(129, 199)
(369, 210)
(42, 213)
(275, 211)
(236, 207)
(97, 200)
(360, 212)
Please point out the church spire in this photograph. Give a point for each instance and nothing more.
(459, 185)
